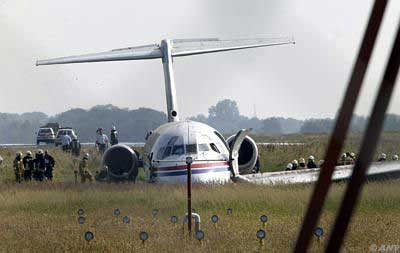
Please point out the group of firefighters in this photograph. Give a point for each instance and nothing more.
(382, 157)
(347, 158)
(301, 164)
(38, 168)
(41, 166)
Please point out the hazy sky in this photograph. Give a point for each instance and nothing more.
(301, 81)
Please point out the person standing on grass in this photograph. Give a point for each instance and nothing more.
(84, 170)
(28, 166)
(114, 136)
(343, 159)
(302, 163)
(382, 157)
(101, 140)
(1, 160)
(40, 166)
(311, 163)
(66, 142)
(49, 163)
(353, 157)
(76, 147)
(18, 167)
(295, 165)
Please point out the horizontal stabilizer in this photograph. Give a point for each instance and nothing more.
(180, 47)
(185, 48)
(123, 54)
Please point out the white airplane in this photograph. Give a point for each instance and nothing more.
(215, 160)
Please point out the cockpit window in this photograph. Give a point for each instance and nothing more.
(174, 146)
(204, 147)
(172, 140)
(178, 150)
(167, 152)
(191, 149)
(160, 153)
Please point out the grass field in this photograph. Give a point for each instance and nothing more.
(42, 217)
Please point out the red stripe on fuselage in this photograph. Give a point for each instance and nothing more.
(194, 166)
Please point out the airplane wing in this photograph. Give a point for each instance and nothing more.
(123, 54)
(376, 171)
(203, 46)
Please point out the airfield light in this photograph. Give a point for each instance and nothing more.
(81, 212)
(229, 211)
(264, 219)
(214, 220)
(126, 220)
(81, 220)
(89, 236)
(318, 232)
(154, 212)
(116, 212)
(261, 236)
(199, 235)
(143, 236)
(174, 219)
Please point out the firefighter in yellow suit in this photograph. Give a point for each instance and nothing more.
(18, 167)
(83, 169)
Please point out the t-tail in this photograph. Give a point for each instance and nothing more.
(167, 50)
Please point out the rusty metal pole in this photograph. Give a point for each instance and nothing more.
(368, 146)
(189, 161)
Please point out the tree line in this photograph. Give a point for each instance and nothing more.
(134, 124)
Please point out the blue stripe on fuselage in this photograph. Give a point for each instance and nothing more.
(184, 172)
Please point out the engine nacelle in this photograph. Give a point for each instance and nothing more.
(122, 163)
(248, 154)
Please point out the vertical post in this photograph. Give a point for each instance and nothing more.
(189, 161)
